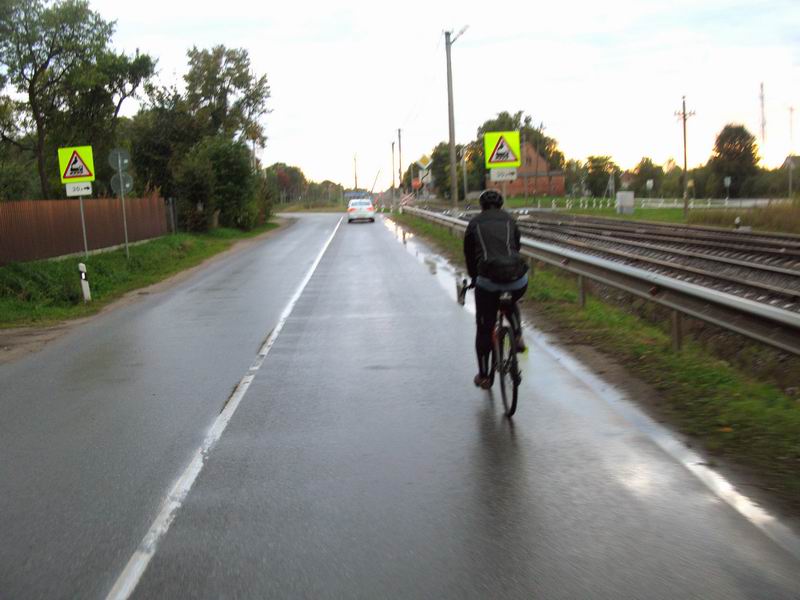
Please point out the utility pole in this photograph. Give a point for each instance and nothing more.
(400, 160)
(355, 173)
(763, 118)
(464, 172)
(392, 172)
(453, 173)
(791, 148)
(524, 167)
(684, 116)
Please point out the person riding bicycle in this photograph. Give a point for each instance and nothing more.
(491, 250)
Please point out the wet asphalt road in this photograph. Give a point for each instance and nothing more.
(361, 463)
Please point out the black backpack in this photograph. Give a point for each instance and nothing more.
(500, 262)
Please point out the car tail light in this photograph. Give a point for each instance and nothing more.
(370, 208)
(351, 210)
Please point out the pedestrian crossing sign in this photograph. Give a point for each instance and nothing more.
(502, 149)
(76, 164)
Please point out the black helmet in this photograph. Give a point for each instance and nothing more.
(491, 198)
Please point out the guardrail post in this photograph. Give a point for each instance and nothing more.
(581, 291)
(677, 331)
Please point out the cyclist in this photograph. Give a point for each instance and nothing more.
(491, 250)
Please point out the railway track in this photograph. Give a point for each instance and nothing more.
(747, 284)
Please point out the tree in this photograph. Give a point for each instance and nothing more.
(440, 168)
(161, 135)
(286, 183)
(735, 155)
(41, 45)
(216, 178)
(476, 167)
(672, 183)
(225, 94)
(644, 171)
(93, 99)
(575, 173)
(599, 170)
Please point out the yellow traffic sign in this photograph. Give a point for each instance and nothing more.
(76, 164)
(501, 149)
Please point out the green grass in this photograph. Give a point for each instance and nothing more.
(666, 215)
(778, 217)
(731, 413)
(43, 292)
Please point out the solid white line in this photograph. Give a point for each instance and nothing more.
(129, 578)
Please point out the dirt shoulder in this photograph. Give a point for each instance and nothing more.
(17, 342)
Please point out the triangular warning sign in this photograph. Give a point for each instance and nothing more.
(76, 168)
(502, 152)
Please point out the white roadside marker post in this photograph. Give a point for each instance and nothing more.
(87, 294)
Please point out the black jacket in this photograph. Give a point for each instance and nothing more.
(491, 236)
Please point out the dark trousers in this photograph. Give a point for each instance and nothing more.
(486, 305)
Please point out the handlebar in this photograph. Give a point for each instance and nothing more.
(461, 289)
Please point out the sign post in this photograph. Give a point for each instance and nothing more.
(120, 183)
(76, 166)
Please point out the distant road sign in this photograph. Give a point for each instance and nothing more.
(122, 182)
(119, 159)
(502, 149)
(424, 163)
(76, 164)
(79, 189)
(503, 174)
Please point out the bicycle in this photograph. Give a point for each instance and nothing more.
(504, 348)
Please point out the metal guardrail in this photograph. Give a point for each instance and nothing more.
(768, 324)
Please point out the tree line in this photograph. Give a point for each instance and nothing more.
(62, 84)
(735, 156)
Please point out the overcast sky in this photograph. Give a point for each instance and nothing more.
(603, 77)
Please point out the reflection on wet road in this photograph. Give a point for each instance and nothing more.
(382, 471)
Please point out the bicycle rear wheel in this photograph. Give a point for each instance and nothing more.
(507, 369)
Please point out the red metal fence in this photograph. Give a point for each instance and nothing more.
(36, 229)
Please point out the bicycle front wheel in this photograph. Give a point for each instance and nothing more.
(507, 370)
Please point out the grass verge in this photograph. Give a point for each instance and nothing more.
(733, 415)
(777, 217)
(46, 291)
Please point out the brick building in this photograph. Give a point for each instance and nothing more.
(534, 174)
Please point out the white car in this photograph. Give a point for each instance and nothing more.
(360, 209)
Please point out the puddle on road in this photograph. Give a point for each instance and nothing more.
(445, 273)
(449, 275)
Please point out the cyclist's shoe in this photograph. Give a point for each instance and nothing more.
(482, 381)
(521, 347)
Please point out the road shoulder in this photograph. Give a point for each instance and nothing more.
(18, 342)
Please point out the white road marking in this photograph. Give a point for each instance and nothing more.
(129, 578)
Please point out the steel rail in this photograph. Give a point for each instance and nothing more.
(768, 324)
(675, 266)
(760, 266)
(767, 237)
(778, 250)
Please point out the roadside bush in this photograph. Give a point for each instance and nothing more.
(217, 183)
